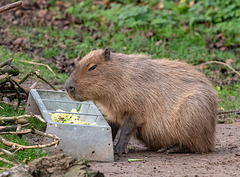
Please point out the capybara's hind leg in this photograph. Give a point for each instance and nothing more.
(174, 149)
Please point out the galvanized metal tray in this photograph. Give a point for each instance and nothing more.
(92, 142)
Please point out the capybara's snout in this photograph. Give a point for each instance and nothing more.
(69, 86)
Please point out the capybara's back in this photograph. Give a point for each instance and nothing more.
(168, 105)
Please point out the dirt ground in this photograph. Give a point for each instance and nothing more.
(225, 161)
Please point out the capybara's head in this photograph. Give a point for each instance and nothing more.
(89, 77)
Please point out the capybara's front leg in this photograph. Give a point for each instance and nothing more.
(127, 129)
(114, 128)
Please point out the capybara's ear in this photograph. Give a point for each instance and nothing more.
(94, 49)
(106, 54)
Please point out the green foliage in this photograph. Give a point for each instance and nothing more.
(229, 97)
(25, 68)
(9, 111)
(23, 156)
(28, 154)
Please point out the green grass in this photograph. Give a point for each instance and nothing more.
(22, 156)
(25, 68)
(26, 155)
(229, 97)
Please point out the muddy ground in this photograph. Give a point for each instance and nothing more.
(225, 161)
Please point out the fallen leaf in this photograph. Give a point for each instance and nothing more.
(230, 61)
(149, 34)
(161, 4)
(159, 42)
(202, 67)
(41, 13)
(191, 4)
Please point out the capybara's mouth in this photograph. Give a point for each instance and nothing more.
(75, 98)
(80, 99)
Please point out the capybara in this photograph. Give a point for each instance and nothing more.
(169, 105)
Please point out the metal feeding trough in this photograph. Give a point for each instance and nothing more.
(92, 142)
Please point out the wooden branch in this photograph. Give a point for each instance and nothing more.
(45, 134)
(39, 64)
(10, 104)
(8, 128)
(11, 155)
(35, 73)
(218, 62)
(229, 112)
(3, 169)
(17, 93)
(6, 63)
(19, 132)
(12, 127)
(10, 69)
(3, 78)
(20, 87)
(38, 146)
(45, 81)
(7, 161)
(38, 117)
(22, 121)
(21, 117)
(10, 6)
(31, 73)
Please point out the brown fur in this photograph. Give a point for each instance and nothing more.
(170, 102)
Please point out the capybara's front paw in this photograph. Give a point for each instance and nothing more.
(121, 148)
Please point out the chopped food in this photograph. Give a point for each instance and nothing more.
(134, 160)
(68, 118)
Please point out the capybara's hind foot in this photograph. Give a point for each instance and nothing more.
(174, 149)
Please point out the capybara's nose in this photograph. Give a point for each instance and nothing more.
(69, 86)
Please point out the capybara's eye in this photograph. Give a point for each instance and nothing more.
(92, 68)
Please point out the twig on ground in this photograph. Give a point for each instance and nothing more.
(7, 161)
(229, 112)
(21, 117)
(45, 81)
(1, 168)
(10, 104)
(10, 6)
(218, 62)
(11, 144)
(39, 64)
(38, 117)
(6, 63)
(19, 132)
(8, 128)
(35, 73)
(3, 78)
(11, 155)
(11, 128)
(18, 95)
(45, 134)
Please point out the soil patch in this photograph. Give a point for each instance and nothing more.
(225, 161)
